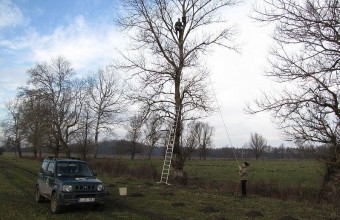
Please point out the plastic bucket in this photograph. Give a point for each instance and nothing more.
(122, 191)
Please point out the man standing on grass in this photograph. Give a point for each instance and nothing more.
(243, 174)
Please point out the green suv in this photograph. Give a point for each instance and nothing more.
(68, 181)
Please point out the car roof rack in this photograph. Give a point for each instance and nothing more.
(62, 158)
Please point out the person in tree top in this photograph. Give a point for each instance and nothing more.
(178, 26)
(243, 176)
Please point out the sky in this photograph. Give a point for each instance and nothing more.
(83, 32)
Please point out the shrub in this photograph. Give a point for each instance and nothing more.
(145, 171)
(109, 167)
(120, 168)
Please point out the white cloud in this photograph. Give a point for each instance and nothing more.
(10, 14)
(83, 45)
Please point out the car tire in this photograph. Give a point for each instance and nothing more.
(55, 206)
(38, 197)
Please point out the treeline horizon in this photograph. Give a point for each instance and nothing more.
(123, 147)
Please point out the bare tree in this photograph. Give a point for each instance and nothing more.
(54, 80)
(189, 141)
(84, 136)
(14, 127)
(306, 62)
(34, 111)
(134, 134)
(106, 92)
(168, 61)
(196, 135)
(153, 131)
(204, 135)
(258, 144)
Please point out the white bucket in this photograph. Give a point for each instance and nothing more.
(122, 191)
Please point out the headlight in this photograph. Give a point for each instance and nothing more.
(67, 188)
(100, 187)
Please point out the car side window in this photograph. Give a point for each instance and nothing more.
(43, 167)
(50, 168)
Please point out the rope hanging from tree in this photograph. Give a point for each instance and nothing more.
(222, 118)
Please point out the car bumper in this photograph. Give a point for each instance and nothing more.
(75, 198)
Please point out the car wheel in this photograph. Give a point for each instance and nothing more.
(38, 197)
(55, 207)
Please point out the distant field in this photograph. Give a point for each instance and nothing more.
(148, 200)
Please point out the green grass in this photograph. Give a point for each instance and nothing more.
(148, 200)
(294, 173)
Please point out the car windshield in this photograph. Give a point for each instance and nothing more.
(78, 169)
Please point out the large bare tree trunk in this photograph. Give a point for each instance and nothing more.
(330, 189)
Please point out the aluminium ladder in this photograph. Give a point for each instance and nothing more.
(169, 151)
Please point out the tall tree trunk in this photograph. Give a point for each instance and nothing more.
(150, 152)
(96, 145)
(133, 150)
(330, 188)
(180, 176)
(67, 152)
(19, 151)
(35, 152)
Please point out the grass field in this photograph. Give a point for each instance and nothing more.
(148, 200)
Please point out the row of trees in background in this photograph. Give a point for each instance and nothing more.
(124, 148)
(56, 108)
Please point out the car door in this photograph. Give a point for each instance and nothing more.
(41, 177)
(49, 178)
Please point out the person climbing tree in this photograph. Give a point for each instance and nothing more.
(184, 21)
(243, 174)
(178, 26)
